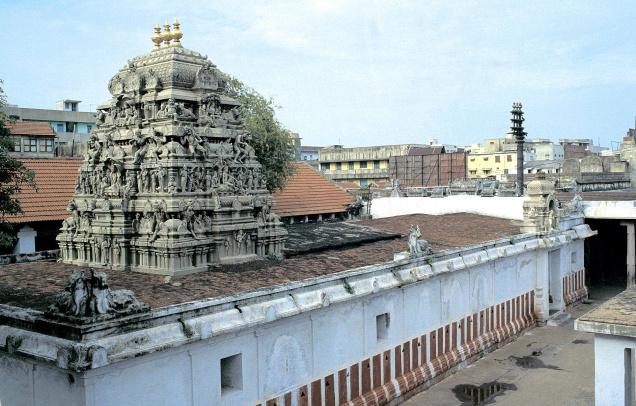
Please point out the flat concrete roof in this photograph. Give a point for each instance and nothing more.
(615, 317)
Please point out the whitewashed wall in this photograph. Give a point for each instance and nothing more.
(290, 351)
(609, 368)
(504, 207)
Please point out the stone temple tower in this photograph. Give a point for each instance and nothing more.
(170, 184)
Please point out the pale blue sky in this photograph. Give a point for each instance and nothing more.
(356, 72)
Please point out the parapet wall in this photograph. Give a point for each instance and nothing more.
(372, 333)
(503, 207)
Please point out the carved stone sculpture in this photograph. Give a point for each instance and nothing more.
(170, 174)
(87, 296)
(417, 247)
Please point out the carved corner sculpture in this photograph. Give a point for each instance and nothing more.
(417, 247)
(543, 212)
(88, 298)
(170, 184)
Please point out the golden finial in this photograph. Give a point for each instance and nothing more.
(156, 37)
(167, 35)
(176, 33)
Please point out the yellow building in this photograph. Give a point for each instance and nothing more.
(483, 165)
(363, 166)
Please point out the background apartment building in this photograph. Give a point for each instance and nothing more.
(32, 140)
(362, 166)
(70, 125)
(497, 157)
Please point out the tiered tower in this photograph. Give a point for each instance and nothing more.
(170, 183)
(516, 128)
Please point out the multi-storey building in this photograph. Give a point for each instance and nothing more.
(32, 140)
(545, 150)
(69, 124)
(497, 157)
(360, 165)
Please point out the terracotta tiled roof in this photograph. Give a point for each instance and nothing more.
(55, 183)
(33, 129)
(37, 280)
(307, 192)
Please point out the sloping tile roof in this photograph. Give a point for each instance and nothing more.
(37, 280)
(307, 192)
(55, 183)
(31, 128)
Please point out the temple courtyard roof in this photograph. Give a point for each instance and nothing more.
(318, 250)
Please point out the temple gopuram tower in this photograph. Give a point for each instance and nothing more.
(170, 184)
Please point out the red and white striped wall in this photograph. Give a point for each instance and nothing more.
(420, 360)
(574, 288)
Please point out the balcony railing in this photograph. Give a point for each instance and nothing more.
(369, 173)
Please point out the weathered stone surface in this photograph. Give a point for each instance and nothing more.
(87, 298)
(170, 183)
(417, 247)
(543, 212)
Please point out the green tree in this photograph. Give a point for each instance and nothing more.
(13, 176)
(271, 141)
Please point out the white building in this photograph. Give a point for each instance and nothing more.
(356, 323)
(545, 150)
(614, 327)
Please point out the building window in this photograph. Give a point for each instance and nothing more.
(473, 171)
(505, 171)
(89, 128)
(376, 164)
(472, 159)
(304, 157)
(363, 164)
(338, 166)
(59, 128)
(509, 158)
(231, 374)
(485, 158)
(350, 166)
(382, 326)
(46, 145)
(29, 144)
(364, 182)
(17, 144)
(324, 166)
(497, 158)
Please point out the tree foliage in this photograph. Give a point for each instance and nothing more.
(270, 140)
(13, 176)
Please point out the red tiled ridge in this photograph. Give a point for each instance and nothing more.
(307, 192)
(31, 128)
(55, 185)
